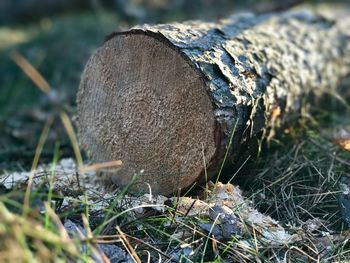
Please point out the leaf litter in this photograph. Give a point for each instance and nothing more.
(223, 216)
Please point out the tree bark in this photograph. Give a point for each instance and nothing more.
(165, 99)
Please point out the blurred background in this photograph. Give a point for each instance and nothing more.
(58, 36)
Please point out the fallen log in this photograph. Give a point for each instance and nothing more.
(168, 99)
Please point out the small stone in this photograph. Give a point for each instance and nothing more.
(226, 219)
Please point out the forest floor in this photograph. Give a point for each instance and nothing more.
(295, 207)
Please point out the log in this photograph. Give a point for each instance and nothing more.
(166, 99)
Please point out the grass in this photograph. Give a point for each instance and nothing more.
(58, 47)
(24, 239)
(296, 183)
(304, 169)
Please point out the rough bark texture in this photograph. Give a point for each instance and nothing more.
(165, 99)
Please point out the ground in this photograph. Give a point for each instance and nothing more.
(295, 187)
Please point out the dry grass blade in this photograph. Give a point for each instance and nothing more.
(148, 245)
(99, 166)
(54, 217)
(301, 252)
(72, 137)
(87, 227)
(208, 237)
(29, 228)
(91, 242)
(38, 152)
(31, 72)
(44, 86)
(128, 246)
(255, 240)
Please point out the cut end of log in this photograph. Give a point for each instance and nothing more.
(142, 102)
